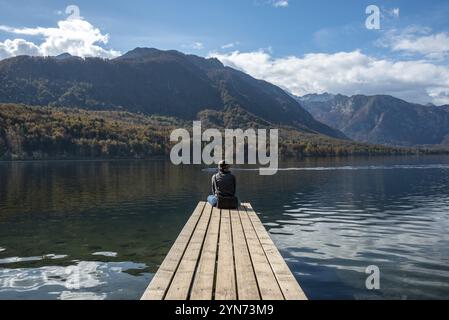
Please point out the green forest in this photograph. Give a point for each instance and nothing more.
(39, 133)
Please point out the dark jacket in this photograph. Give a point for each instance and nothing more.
(224, 184)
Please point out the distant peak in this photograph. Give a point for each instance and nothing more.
(138, 53)
(316, 97)
(142, 53)
(145, 54)
(65, 56)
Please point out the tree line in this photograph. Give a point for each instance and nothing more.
(30, 133)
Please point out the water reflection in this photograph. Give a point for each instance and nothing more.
(83, 280)
(115, 221)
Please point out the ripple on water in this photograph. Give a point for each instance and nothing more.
(81, 280)
(339, 241)
(106, 254)
(29, 259)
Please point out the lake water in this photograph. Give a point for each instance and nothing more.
(99, 230)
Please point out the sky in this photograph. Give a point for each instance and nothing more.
(396, 47)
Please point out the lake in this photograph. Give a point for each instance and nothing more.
(100, 229)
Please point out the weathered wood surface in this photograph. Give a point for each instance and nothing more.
(224, 255)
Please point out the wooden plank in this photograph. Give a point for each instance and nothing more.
(182, 281)
(246, 280)
(231, 247)
(159, 285)
(287, 282)
(266, 280)
(225, 286)
(203, 284)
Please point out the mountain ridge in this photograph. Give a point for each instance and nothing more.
(381, 119)
(150, 81)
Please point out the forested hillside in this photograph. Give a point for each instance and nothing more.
(150, 81)
(61, 133)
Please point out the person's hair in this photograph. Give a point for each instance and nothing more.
(223, 166)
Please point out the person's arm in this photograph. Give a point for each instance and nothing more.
(213, 185)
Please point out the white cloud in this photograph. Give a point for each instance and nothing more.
(230, 45)
(418, 40)
(75, 36)
(347, 73)
(431, 45)
(280, 3)
(194, 45)
(274, 3)
(17, 47)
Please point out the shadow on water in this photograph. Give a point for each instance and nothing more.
(100, 229)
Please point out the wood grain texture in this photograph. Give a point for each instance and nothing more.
(182, 281)
(266, 280)
(224, 255)
(246, 279)
(225, 286)
(203, 285)
(287, 282)
(162, 279)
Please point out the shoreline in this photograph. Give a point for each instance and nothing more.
(283, 159)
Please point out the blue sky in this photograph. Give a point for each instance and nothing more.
(270, 39)
(301, 27)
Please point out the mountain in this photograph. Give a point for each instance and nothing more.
(151, 82)
(314, 97)
(66, 56)
(381, 119)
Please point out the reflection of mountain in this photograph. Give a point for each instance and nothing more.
(96, 184)
(78, 208)
(381, 119)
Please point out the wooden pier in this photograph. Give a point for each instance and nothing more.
(224, 255)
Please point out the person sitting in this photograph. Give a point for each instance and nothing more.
(223, 188)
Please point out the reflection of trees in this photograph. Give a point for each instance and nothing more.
(135, 208)
(61, 187)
